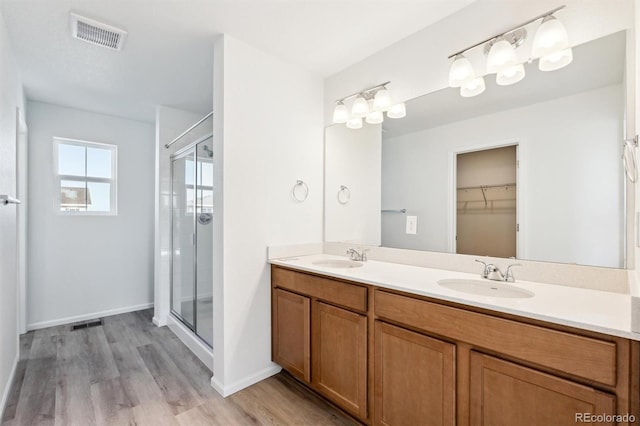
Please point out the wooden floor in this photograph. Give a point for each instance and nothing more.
(129, 372)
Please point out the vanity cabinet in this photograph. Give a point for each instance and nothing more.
(414, 378)
(320, 335)
(393, 358)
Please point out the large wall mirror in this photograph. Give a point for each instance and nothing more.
(531, 171)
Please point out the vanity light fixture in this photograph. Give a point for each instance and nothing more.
(550, 46)
(340, 113)
(375, 117)
(397, 111)
(472, 87)
(355, 123)
(360, 107)
(501, 55)
(461, 71)
(370, 105)
(382, 100)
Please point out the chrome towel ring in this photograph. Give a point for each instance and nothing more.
(344, 194)
(300, 191)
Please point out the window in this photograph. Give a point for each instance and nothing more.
(204, 186)
(85, 177)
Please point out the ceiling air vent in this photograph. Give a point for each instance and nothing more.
(95, 32)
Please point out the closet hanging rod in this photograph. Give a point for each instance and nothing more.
(167, 145)
(504, 185)
(394, 211)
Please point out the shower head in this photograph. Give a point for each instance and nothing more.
(208, 151)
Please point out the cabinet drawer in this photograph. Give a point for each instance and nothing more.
(503, 393)
(348, 295)
(581, 356)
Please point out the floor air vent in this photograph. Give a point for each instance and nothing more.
(97, 33)
(87, 324)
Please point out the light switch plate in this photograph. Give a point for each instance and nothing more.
(412, 224)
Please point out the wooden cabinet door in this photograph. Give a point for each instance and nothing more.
(292, 333)
(414, 378)
(340, 357)
(503, 393)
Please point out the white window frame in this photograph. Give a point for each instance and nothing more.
(59, 178)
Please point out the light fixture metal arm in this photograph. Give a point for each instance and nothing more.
(370, 89)
(551, 12)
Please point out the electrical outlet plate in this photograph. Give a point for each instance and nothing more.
(412, 225)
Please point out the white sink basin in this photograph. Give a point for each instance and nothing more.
(486, 288)
(338, 263)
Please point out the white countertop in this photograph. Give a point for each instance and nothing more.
(593, 310)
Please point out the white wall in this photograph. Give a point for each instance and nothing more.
(170, 123)
(268, 133)
(419, 64)
(83, 265)
(354, 156)
(11, 98)
(568, 217)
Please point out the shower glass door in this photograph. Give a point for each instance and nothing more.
(183, 238)
(192, 239)
(204, 240)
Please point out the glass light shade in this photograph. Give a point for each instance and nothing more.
(461, 71)
(340, 113)
(555, 61)
(510, 75)
(397, 111)
(382, 101)
(360, 107)
(501, 55)
(551, 37)
(472, 87)
(375, 117)
(355, 123)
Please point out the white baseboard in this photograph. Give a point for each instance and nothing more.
(84, 317)
(195, 345)
(159, 322)
(226, 391)
(7, 389)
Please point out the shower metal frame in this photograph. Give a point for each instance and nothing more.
(183, 152)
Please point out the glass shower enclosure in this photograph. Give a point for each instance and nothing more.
(192, 238)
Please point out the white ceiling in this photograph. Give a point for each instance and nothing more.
(596, 64)
(168, 55)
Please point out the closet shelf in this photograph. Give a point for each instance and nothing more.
(504, 185)
(486, 193)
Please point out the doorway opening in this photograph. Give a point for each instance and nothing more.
(486, 202)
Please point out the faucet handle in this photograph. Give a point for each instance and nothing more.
(508, 275)
(364, 254)
(485, 272)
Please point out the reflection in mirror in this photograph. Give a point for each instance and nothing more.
(531, 170)
(354, 158)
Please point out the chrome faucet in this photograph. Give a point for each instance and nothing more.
(356, 255)
(508, 276)
(492, 272)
